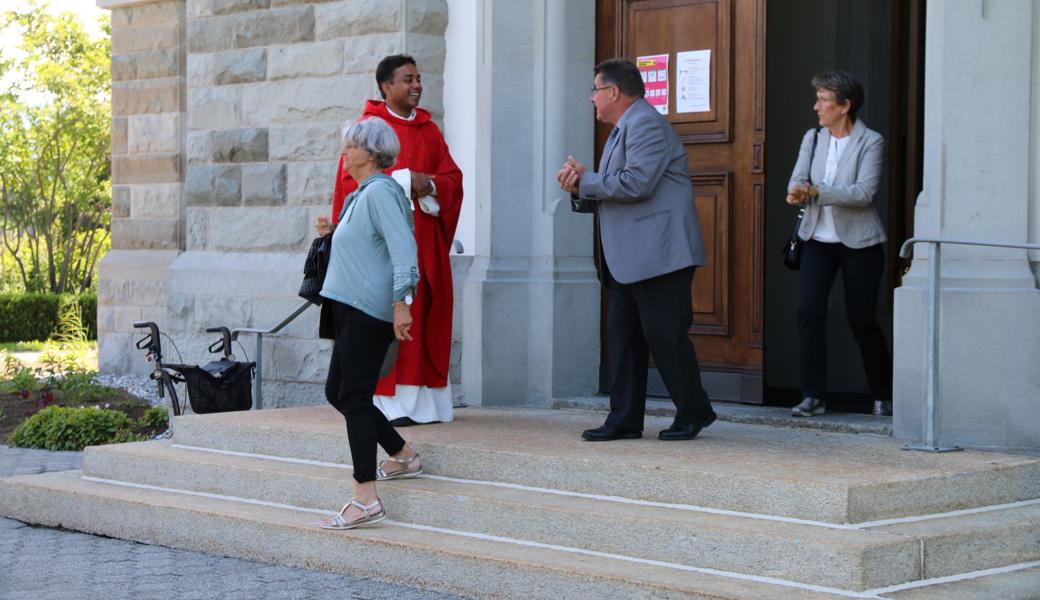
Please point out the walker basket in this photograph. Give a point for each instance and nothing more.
(219, 386)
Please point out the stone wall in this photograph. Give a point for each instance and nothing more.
(265, 87)
(148, 102)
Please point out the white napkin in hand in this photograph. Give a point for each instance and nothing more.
(428, 204)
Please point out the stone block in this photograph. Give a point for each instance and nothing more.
(299, 360)
(123, 318)
(277, 26)
(306, 100)
(211, 34)
(311, 183)
(222, 68)
(426, 16)
(224, 310)
(154, 133)
(197, 147)
(283, 229)
(115, 351)
(148, 15)
(253, 274)
(120, 201)
(154, 168)
(213, 185)
(433, 94)
(319, 59)
(429, 52)
(238, 145)
(157, 201)
(268, 311)
(126, 40)
(146, 234)
(356, 17)
(147, 65)
(179, 311)
(306, 142)
(224, 7)
(147, 96)
(106, 319)
(214, 107)
(363, 52)
(263, 184)
(119, 135)
(197, 225)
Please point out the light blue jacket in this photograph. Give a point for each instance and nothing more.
(374, 258)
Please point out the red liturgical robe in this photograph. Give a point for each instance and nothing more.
(424, 360)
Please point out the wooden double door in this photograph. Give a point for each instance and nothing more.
(722, 123)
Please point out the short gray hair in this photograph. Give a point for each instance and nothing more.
(374, 136)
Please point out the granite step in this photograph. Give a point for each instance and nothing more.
(458, 562)
(829, 556)
(805, 474)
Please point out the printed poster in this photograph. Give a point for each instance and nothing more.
(654, 70)
(693, 81)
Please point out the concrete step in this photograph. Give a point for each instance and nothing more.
(828, 556)
(1023, 583)
(468, 564)
(805, 474)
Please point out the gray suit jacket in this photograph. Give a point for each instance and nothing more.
(851, 194)
(647, 220)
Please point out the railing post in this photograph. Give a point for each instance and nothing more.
(930, 443)
(258, 387)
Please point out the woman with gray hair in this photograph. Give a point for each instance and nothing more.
(371, 276)
(842, 231)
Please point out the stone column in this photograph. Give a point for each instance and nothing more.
(147, 173)
(531, 320)
(980, 130)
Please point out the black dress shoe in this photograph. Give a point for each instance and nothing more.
(402, 422)
(684, 432)
(608, 433)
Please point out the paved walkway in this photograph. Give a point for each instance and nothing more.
(38, 563)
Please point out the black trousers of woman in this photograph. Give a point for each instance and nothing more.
(861, 270)
(357, 354)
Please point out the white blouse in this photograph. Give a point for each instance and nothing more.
(826, 230)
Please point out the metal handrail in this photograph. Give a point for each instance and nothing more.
(930, 442)
(258, 390)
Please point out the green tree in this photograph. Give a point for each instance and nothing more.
(54, 150)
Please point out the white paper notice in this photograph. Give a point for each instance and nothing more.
(693, 81)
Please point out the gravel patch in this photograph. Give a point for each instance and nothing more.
(138, 385)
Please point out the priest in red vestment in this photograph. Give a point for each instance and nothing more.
(418, 390)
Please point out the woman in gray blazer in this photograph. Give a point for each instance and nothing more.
(841, 230)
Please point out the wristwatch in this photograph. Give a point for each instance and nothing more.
(407, 300)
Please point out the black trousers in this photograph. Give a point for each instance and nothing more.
(653, 317)
(357, 354)
(861, 270)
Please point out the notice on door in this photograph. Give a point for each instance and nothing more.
(654, 70)
(693, 81)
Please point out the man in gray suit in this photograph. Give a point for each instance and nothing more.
(651, 244)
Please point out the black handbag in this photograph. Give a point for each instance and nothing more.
(793, 246)
(315, 267)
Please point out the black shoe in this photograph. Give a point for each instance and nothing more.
(608, 433)
(402, 422)
(684, 432)
(809, 407)
(882, 408)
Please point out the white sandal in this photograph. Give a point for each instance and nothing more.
(404, 473)
(369, 516)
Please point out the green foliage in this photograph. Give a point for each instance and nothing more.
(70, 329)
(54, 152)
(11, 364)
(156, 417)
(62, 428)
(37, 316)
(80, 387)
(24, 381)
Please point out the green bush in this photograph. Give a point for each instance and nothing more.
(62, 428)
(36, 316)
(80, 387)
(156, 417)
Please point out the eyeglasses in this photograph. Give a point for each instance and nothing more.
(595, 89)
